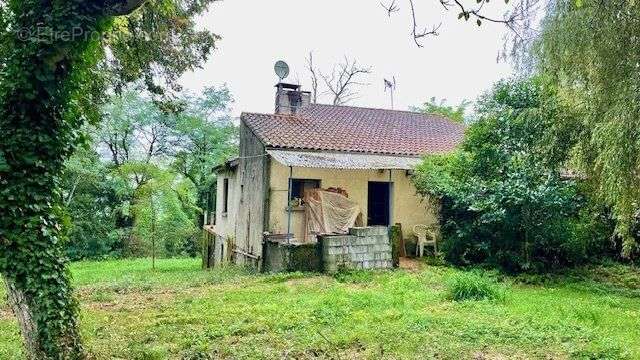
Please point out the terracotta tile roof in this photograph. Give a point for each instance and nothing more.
(346, 128)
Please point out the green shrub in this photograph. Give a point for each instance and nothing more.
(473, 286)
(504, 201)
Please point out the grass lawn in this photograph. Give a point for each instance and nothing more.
(181, 312)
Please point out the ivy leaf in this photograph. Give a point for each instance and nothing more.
(4, 166)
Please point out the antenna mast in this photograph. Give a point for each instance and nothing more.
(391, 85)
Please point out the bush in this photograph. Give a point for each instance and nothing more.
(473, 286)
(503, 199)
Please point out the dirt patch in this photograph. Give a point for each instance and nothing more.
(490, 355)
(6, 313)
(309, 281)
(412, 265)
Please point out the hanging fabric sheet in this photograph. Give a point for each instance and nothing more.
(328, 212)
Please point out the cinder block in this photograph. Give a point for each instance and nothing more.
(367, 240)
(359, 231)
(339, 240)
(334, 251)
(379, 230)
(381, 239)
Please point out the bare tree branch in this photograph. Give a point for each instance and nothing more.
(511, 20)
(418, 35)
(391, 8)
(314, 78)
(343, 79)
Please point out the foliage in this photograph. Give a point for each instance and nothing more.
(474, 286)
(588, 52)
(207, 138)
(180, 310)
(161, 208)
(504, 201)
(158, 172)
(456, 113)
(93, 207)
(153, 47)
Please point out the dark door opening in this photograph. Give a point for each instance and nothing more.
(379, 203)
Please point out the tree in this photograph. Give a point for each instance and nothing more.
(588, 52)
(453, 112)
(48, 54)
(161, 209)
(205, 138)
(143, 141)
(92, 202)
(341, 82)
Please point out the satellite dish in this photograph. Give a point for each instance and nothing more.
(282, 69)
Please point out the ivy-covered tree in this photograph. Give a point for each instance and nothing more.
(49, 87)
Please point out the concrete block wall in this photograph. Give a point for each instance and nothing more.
(363, 248)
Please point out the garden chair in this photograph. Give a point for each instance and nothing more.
(426, 236)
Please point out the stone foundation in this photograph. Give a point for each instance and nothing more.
(280, 256)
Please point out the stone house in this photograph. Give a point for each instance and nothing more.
(368, 153)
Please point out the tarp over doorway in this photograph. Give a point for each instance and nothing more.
(328, 212)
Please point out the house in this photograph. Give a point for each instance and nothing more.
(367, 153)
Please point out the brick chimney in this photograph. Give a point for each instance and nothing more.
(290, 98)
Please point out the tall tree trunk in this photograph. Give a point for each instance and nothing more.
(22, 305)
(22, 311)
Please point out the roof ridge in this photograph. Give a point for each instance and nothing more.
(382, 109)
(299, 115)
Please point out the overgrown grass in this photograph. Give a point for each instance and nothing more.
(474, 286)
(129, 311)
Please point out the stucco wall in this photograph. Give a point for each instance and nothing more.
(253, 178)
(244, 223)
(225, 223)
(407, 207)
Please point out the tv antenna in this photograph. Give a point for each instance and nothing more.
(282, 69)
(391, 85)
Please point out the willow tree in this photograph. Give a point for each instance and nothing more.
(53, 69)
(590, 54)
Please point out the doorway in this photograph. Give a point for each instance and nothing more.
(379, 203)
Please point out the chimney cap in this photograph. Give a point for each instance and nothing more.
(288, 86)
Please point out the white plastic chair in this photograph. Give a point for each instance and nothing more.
(426, 236)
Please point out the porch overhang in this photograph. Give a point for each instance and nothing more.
(343, 160)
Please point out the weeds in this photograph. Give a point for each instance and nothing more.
(474, 286)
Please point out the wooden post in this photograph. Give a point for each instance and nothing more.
(403, 249)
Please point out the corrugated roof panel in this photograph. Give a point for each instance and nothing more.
(337, 160)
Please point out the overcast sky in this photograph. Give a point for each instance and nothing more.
(459, 64)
